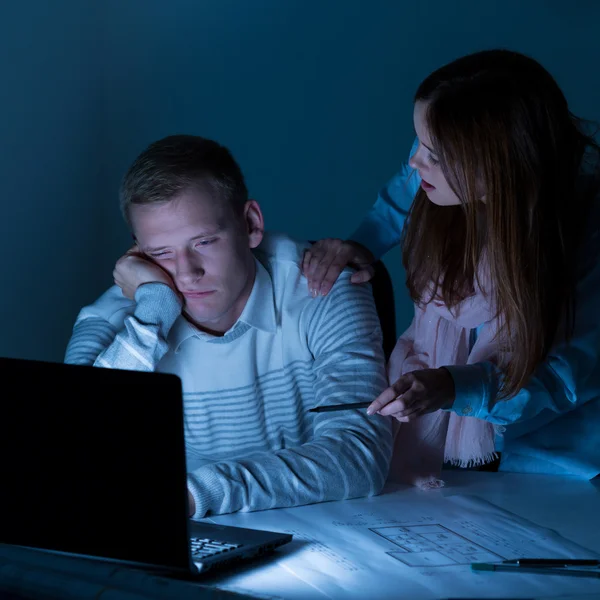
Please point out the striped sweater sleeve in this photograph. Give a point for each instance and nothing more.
(137, 343)
(349, 453)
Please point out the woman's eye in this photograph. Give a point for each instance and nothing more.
(433, 160)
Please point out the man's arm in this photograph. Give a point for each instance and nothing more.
(350, 452)
(118, 333)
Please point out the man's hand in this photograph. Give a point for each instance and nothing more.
(134, 269)
(416, 394)
(325, 260)
(191, 504)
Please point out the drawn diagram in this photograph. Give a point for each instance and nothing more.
(433, 545)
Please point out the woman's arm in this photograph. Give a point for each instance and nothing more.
(380, 231)
(567, 379)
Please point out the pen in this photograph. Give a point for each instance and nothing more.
(556, 570)
(553, 562)
(336, 407)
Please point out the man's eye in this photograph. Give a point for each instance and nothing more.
(159, 255)
(203, 243)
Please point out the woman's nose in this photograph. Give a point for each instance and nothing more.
(415, 161)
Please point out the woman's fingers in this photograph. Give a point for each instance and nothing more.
(364, 275)
(306, 262)
(323, 262)
(319, 271)
(390, 394)
(334, 269)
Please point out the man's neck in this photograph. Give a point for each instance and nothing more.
(221, 326)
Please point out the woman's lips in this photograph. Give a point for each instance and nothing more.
(426, 186)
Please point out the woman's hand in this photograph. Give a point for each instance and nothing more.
(325, 260)
(416, 394)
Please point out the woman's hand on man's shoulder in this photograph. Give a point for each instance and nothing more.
(327, 258)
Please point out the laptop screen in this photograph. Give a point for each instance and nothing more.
(93, 462)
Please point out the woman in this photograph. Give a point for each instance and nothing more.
(497, 214)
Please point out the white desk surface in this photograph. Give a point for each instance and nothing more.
(568, 506)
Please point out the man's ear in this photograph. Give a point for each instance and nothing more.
(255, 224)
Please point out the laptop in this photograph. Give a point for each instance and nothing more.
(93, 465)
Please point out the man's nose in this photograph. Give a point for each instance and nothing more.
(189, 267)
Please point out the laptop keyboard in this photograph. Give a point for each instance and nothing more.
(203, 548)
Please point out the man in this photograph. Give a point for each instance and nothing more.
(207, 295)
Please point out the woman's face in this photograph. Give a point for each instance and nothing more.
(424, 160)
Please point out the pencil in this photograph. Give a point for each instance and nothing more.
(336, 407)
(570, 572)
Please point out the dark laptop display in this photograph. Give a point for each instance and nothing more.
(93, 464)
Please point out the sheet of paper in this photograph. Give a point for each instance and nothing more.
(414, 545)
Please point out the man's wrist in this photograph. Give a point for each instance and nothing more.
(157, 303)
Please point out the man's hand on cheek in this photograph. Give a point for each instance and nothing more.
(135, 268)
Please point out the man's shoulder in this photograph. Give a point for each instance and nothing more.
(277, 247)
(281, 255)
(285, 250)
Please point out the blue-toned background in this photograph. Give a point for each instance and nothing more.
(314, 98)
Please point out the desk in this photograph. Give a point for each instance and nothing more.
(568, 506)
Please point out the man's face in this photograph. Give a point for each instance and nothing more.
(206, 249)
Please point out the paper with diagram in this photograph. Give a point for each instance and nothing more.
(415, 545)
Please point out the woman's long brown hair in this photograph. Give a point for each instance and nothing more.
(501, 127)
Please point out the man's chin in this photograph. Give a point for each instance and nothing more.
(201, 319)
(204, 321)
